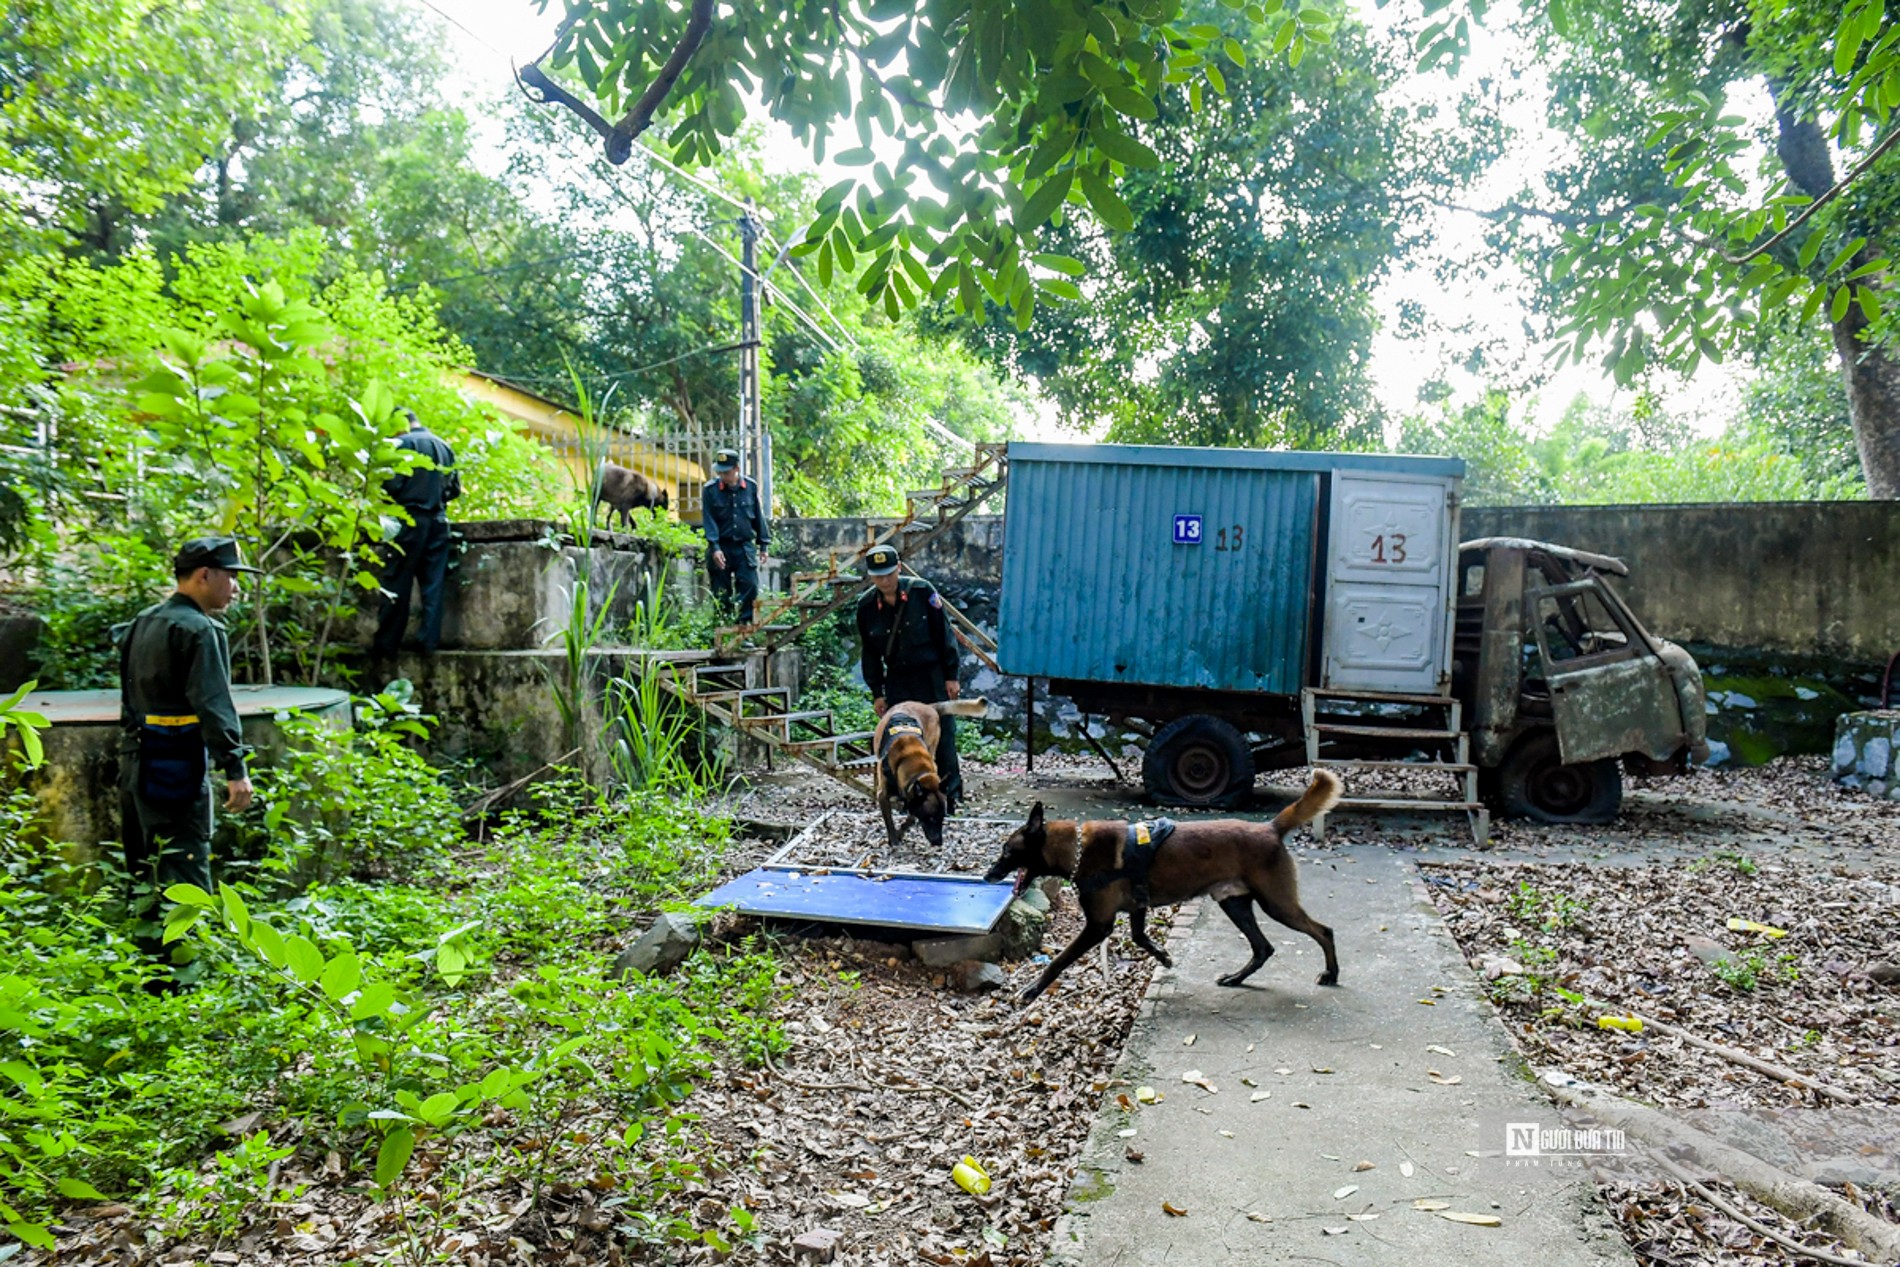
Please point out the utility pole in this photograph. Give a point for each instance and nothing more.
(755, 447)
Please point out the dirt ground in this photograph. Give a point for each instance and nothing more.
(921, 1076)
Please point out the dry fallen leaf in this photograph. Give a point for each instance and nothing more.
(1169, 1207)
(1225, 1134)
(1127, 1132)
(1362, 1218)
(1363, 1165)
(1476, 1220)
(1195, 1076)
(1283, 1071)
(1406, 1168)
(1441, 1051)
(1322, 1068)
(1340, 1194)
(1258, 1096)
(1429, 1002)
(1257, 1217)
(1147, 1095)
(1301, 1104)
(1442, 1080)
(1133, 1154)
(1335, 1231)
(1188, 1041)
(1429, 1204)
(1332, 1157)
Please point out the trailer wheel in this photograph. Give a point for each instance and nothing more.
(1198, 761)
(1534, 783)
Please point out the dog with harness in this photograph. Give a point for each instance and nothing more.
(1132, 867)
(906, 745)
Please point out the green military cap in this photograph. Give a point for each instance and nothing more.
(726, 460)
(880, 561)
(210, 552)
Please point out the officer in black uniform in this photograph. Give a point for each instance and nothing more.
(733, 520)
(422, 545)
(177, 721)
(909, 652)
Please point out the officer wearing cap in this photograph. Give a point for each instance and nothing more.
(909, 652)
(730, 513)
(177, 721)
(421, 555)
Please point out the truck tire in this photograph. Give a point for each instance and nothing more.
(1534, 783)
(1200, 762)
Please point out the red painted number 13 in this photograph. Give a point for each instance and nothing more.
(1389, 549)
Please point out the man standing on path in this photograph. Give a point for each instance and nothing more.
(177, 722)
(909, 652)
(422, 545)
(733, 520)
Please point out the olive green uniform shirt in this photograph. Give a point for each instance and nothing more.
(175, 661)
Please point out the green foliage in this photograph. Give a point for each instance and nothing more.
(1238, 309)
(1740, 863)
(354, 799)
(1549, 911)
(392, 1019)
(1061, 95)
(1594, 457)
(24, 723)
(126, 99)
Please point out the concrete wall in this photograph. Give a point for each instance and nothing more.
(1808, 579)
(1812, 579)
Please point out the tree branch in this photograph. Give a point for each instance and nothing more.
(1839, 187)
(640, 117)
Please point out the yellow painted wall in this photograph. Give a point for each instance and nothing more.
(560, 429)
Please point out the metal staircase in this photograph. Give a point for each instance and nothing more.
(815, 596)
(718, 685)
(1351, 721)
(732, 683)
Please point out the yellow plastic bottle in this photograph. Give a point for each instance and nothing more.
(971, 1177)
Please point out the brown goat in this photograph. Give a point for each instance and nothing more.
(626, 491)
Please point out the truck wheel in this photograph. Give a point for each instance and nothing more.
(1198, 761)
(1534, 783)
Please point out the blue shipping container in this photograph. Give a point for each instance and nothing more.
(1169, 566)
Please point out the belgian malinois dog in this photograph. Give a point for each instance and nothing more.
(906, 745)
(1117, 866)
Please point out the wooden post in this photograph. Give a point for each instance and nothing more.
(1029, 737)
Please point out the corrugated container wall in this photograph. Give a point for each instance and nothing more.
(1184, 567)
(1095, 586)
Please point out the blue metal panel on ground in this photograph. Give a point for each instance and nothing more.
(945, 904)
(1162, 566)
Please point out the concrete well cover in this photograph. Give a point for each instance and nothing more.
(95, 708)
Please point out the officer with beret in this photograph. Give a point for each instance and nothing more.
(733, 520)
(421, 556)
(177, 721)
(909, 652)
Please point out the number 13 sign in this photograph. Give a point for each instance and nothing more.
(1187, 530)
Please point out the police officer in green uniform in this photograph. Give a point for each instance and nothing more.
(178, 721)
(733, 520)
(909, 652)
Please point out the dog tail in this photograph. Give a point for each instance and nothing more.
(1321, 795)
(963, 708)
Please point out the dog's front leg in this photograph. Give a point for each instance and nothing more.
(890, 828)
(1091, 936)
(1138, 929)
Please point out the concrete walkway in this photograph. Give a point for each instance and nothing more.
(1346, 1075)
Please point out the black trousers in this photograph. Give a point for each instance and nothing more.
(164, 845)
(925, 685)
(741, 573)
(421, 558)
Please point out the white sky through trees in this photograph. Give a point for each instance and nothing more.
(1459, 283)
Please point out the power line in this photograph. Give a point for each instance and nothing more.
(784, 254)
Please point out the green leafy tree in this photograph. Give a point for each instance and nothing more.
(1004, 115)
(1678, 224)
(1238, 308)
(107, 106)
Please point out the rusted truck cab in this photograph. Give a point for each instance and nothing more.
(1563, 688)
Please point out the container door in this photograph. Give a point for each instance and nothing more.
(1391, 549)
